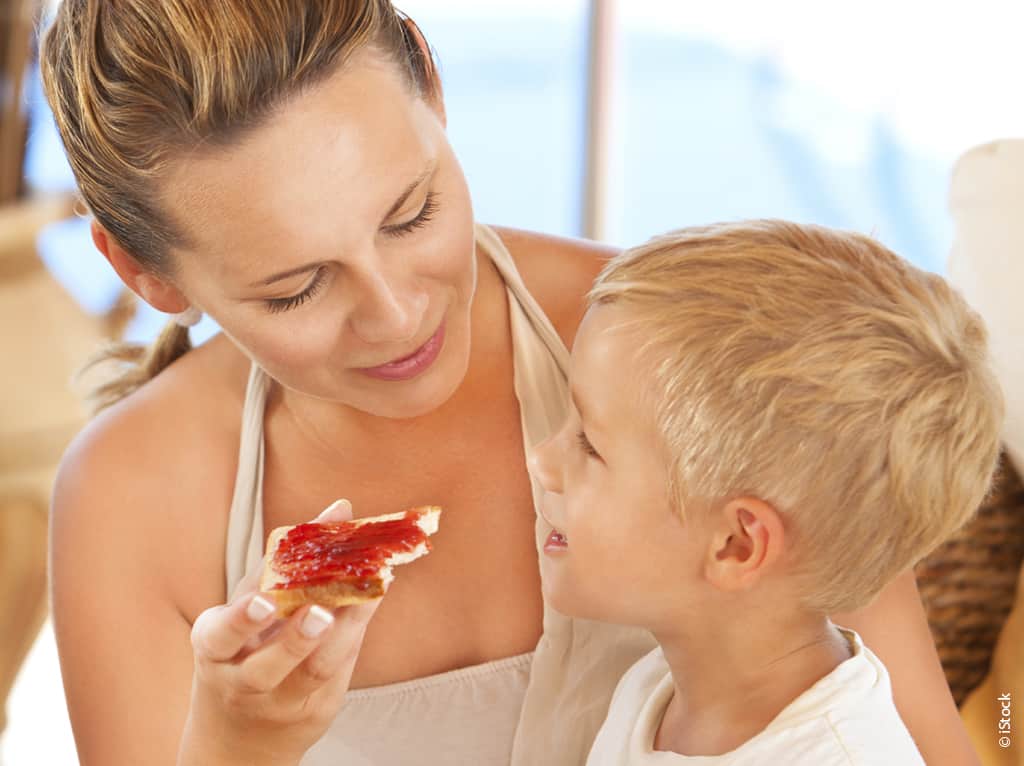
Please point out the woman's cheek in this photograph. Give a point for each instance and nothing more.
(453, 250)
(451, 262)
(285, 342)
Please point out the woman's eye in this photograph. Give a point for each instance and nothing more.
(585, 444)
(275, 305)
(422, 218)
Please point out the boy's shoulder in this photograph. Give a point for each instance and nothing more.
(856, 703)
(634, 713)
(848, 718)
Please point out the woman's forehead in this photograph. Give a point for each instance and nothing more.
(334, 158)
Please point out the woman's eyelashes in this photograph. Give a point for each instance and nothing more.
(422, 218)
(585, 444)
(275, 305)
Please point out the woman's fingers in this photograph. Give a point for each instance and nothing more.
(253, 675)
(255, 652)
(339, 510)
(248, 584)
(266, 668)
(221, 632)
(336, 656)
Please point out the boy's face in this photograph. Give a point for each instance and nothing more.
(618, 552)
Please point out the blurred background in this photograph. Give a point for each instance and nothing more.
(611, 120)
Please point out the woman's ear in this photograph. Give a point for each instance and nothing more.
(437, 91)
(747, 540)
(154, 290)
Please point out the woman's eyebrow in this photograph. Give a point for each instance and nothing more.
(402, 198)
(285, 274)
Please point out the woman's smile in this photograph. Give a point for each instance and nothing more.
(413, 364)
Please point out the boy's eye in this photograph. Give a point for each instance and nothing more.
(585, 444)
(275, 305)
(422, 218)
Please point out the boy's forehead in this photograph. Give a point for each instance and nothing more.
(603, 336)
(605, 378)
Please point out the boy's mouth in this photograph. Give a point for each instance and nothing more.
(556, 542)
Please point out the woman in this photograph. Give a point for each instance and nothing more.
(283, 166)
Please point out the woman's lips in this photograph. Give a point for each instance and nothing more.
(410, 366)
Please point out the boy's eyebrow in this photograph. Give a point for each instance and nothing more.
(576, 404)
(402, 199)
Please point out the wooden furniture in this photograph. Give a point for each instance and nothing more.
(17, 22)
(969, 584)
(26, 455)
(44, 338)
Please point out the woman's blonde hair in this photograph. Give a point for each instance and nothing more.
(820, 372)
(135, 83)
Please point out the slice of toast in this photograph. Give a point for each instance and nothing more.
(343, 590)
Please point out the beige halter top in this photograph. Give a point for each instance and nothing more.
(529, 710)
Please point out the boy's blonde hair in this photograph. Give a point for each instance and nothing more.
(820, 372)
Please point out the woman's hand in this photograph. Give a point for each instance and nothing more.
(264, 690)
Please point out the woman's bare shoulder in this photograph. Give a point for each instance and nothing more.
(558, 272)
(149, 480)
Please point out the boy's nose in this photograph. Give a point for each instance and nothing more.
(544, 464)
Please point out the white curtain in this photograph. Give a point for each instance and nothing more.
(986, 263)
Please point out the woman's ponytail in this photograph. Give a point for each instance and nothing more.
(136, 364)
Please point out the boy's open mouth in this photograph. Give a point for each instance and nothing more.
(556, 541)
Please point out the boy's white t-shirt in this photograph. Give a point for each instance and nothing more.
(848, 718)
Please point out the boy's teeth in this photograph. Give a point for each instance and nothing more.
(559, 538)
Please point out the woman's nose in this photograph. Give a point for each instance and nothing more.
(387, 313)
(545, 463)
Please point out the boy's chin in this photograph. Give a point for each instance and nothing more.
(562, 602)
(577, 605)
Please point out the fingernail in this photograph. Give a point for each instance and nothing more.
(260, 609)
(316, 621)
(338, 505)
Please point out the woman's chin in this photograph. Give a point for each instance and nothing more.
(408, 407)
(416, 397)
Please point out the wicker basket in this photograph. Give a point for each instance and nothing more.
(969, 584)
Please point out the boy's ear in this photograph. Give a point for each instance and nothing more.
(154, 290)
(748, 538)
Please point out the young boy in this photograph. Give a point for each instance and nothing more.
(770, 422)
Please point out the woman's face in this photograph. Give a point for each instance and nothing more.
(335, 242)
